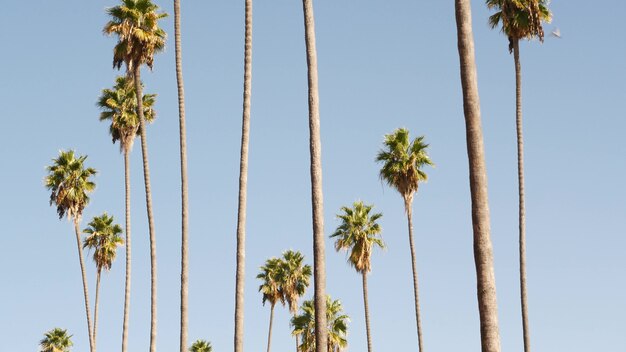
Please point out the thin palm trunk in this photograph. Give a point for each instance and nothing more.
(243, 184)
(483, 252)
(146, 177)
(95, 309)
(367, 313)
(297, 337)
(321, 335)
(269, 334)
(418, 318)
(128, 254)
(522, 211)
(184, 274)
(92, 347)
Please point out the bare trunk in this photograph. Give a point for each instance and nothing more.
(269, 333)
(522, 211)
(321, 335)
(92, 346)
(367, 313)
(243, 184)
(95, 310)
(483, 252)
(128, 254)
(418, 318)
(146, 177)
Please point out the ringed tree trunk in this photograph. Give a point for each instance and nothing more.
(522, 210)
(409, 215)
(184, 275)
(243, 185)
(128, 251)
(321, 335)
(269, 334)
(146, 177)
(95, 309)
(483, 252)
(92, 346)
(367, 313)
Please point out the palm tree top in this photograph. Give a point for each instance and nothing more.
(403, 161)
(56, 340)
(104, 238)
(139, 36)
(295, 277)
(69, 182)
(271, 287)
(201, 346)
(520, 19)
(304, 325)
(358, 233)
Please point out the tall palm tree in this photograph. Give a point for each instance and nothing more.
(317, 197)
(135, 22)
(520, 19)
(403, 160)
(271, 289)
(56, 340)
(483, 252)
(295, 279)
(358, 233)
(119, 106)
(336, 328)
(184, 267)
(70, 183)
(103, 238)
(243, 182)
(201, 346)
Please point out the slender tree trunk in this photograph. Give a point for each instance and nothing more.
(92, 346)
(367, 313)
(269, 334)
(146, 177)
(418, 318)
(483, 252)
(297, 338)
(128, 254)
(321, 335)
(522, 210)
(95, 310)
(243, 184)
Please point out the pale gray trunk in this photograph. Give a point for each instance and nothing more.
(418, 318)
(128, 253)
(269, 333)
(95, 310)
(92, 346)
(319, 274)
(367, 313)
(483, 252)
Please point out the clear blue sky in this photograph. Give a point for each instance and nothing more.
(382, 65)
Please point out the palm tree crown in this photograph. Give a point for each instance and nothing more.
(304, 325)
(271, 287)
(358, 232)
(201, 346)
(56, 340)
(520, 19)
(295, 278)
(140, 37)
(69, 183)
(104, 238)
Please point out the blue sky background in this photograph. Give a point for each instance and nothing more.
(382, 65)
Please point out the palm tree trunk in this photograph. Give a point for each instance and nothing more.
(367, 313)
(92, 347)
(269, 334)
(321, 335)
(522, 210)
(184, 274)
(243, 184)
(483, 252)
(297, 337)
(146, 177)
(128, 254)
(418, 318)
(95, 309)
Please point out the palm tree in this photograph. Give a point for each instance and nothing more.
(295, 279)
(243, 182)
(135, 22)
(56, 340)
(201, 346)
(402, 169)
(70, 182)
(317, 197)
(483, 253)
(271, 288)
(119, 106)
(359, 233)
(103, 237)
(520, 19)
(336, 328)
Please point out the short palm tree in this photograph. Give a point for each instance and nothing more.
(271, 288)
(336, 328)
(56, 340)
(135, 22)
(295, 279)
(403, 161)
(520, 19)
(358, 233)
(119, 106)
(103, 238)
(201, 346)
(70, 183)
